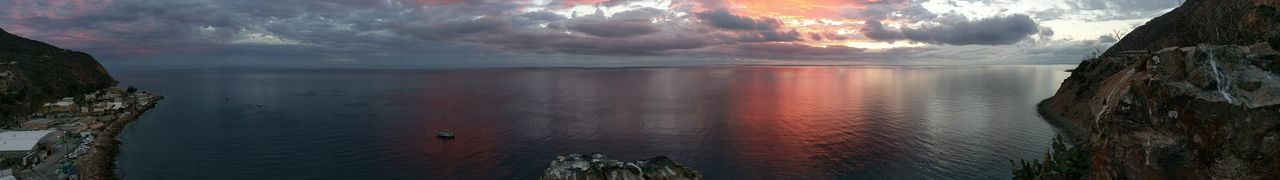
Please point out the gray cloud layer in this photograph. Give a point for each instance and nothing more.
(625, 28)
(987, 31)
(723, 19)
(443, 30)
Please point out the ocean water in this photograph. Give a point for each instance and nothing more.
(844, 122)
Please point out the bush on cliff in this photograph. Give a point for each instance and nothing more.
(1062, 162)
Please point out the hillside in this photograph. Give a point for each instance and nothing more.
(33, 73)
(1222, 22)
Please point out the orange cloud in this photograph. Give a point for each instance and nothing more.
(793, 8)
(821, 22)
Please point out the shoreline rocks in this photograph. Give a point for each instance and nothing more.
(599, 166)
(99, 163)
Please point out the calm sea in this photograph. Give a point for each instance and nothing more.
(961, 122)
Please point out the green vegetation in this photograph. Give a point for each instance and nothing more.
(1063, 162)
(33, 73)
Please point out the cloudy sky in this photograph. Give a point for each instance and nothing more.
(579, 32)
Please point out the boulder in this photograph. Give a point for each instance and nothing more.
(599, 166)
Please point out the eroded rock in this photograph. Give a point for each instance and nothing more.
(599, 166)
(1145, 121)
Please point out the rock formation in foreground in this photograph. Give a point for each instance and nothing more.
(599, 166)
(1192, 109)
(33, 73)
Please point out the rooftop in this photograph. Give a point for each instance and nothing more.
(21, 141)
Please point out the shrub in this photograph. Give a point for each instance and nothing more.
(1063, 162)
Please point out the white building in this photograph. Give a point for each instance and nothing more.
(116, 106)
(26, 147)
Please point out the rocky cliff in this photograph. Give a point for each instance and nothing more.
(599, 166)
(1200, 106)
(33, 72)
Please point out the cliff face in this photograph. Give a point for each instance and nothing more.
(33, 73)
(1189, 109)
(1204, 111)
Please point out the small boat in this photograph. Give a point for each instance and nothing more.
(444, 134)
(259, 104)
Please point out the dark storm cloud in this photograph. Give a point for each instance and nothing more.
(644, 13)
(725, 20)
(876, 30)
(820, 36)
(615, 29)
(748, 29)
(987, 31)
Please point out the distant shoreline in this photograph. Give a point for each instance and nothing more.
(99, 163)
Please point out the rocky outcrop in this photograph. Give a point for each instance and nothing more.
(32, 73)
(1206, 112)
(1202, 111)
(1192, 94)
(599, 166)
(1068, 108)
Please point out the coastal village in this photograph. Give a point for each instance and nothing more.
(72, 136)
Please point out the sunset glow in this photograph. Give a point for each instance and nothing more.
(638, 89)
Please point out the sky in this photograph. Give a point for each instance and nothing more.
(447, 33)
